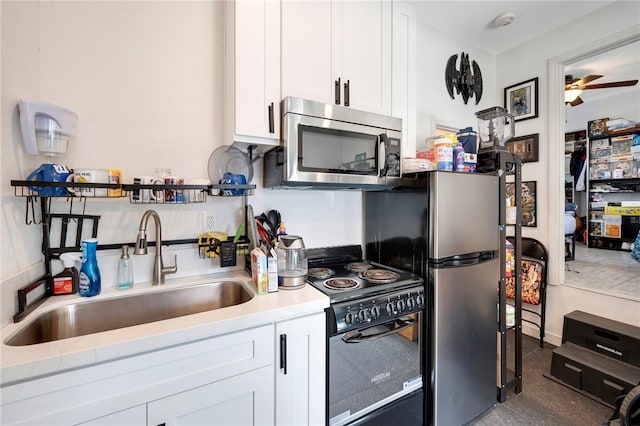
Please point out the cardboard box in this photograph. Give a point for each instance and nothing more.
(612, 226)
(259, 271)
(272, 272)
(624, 211)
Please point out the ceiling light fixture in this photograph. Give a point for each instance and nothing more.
(571, 95)
(504, 19)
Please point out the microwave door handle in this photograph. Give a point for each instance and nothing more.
(382, 155)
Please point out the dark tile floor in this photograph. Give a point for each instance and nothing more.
(542, 401)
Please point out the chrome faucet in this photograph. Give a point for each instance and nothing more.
(159, 270)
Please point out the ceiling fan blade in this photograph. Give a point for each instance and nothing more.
(576, 101)
(585, 80)
(609, 85)
(569, 80)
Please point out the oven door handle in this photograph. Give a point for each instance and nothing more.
(357, 335)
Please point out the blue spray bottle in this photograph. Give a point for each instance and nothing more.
(89, 272)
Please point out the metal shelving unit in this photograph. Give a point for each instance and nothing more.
(508, 167)
(604, 153)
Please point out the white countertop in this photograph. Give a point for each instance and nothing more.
(20, 363)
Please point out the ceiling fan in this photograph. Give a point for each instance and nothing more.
(574, 86)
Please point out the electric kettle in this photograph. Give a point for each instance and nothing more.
(292, 262)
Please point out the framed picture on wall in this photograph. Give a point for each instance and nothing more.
(528, 215)
(521, 99)
(525, 146)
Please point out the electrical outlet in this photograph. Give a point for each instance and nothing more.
(208, 222)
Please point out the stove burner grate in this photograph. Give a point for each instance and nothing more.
(341, 283)
(321, 273)
(358, 266)
(379, 276)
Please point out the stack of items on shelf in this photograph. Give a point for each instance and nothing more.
(446, 153)
(614, 181)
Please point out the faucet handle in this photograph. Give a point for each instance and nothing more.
(171, 269)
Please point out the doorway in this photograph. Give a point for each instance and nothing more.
(557, 129)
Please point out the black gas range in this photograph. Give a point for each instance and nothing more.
(375, 320)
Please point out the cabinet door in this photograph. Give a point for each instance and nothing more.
(253, 74)
(300, 371)
(136, 416)
(364, 28)
(403, 90)
(307, 50)
(246, 399)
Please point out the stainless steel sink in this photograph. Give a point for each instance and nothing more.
(102, 315)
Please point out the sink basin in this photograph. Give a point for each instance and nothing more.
(80, 319)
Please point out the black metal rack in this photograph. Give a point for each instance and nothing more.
(31, 190)
(192, 193)
(507, 167)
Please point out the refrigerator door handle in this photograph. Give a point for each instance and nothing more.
(461, 260)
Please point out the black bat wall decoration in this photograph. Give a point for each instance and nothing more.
(466, 81)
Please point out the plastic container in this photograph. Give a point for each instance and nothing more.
(469, 140)
(458, 158)
(444, 153)
(125, 270)
(90, 281)
(510, 260)
(617, 173)
(66, 282)
(511, 213)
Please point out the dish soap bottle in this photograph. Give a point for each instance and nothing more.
(90, 282)
(125, 270)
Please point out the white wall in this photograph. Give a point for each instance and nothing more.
(433, 103)
(623, 105)
(146, 79)
(531, 60)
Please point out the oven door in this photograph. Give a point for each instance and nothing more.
(372, 367)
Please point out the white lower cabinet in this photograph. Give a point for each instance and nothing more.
(300, 371)
(129, 417)
(233, 379)
(246, 399)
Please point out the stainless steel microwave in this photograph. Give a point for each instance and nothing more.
(331, 146)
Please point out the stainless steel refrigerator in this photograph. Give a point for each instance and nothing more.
(445, 228)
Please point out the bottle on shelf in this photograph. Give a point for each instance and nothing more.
(458, 158)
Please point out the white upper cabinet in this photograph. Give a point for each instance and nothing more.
(338, 53)
(252, 73)
(403, 91)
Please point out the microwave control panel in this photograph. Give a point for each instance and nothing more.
(393, 158)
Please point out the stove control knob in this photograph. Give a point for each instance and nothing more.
(375, 312)
(362, 315)
(420, 300)
(390, 308)
(411, 303)
(348, 318)
(401, 305)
